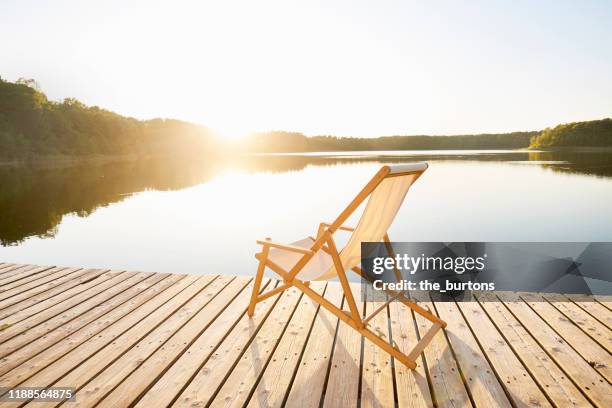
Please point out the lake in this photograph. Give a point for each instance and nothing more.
(204, 216)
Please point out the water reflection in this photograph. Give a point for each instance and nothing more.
(33, 200)
(578, 162)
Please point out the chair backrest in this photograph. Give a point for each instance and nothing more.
(386, 195)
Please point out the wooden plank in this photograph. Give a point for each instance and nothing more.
(480, 378)
(560, 389)
(309, 382)
(274, 383)
(446, 383)
(590, 382)
(592, 352)
(26, 319)
(605, 301)
(212, 298)
(133, 346)
(127, 329)
(7, 267)
(377, 376)
(411, 385)
(29, 275)
(237, 386)
(33, 296)
(88, 310)
(205, 349)
(224, 310)
(45, 304)
(16, 270)
(342, 389)
(23, 272)
(589, 325)
(38, 360)
(51, 277)
(520, 386)
(31, 282)
(595, 309)
(99, 316)
(210, 376)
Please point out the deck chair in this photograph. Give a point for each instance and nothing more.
(318, 258)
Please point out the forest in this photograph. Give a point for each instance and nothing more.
(33, 126)
(594, 133)
(279, 141)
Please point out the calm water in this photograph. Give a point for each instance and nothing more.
(204, 217)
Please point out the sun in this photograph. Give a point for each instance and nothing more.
(232, 133)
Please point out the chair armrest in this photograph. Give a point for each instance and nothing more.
(292, 248)
(342, 227)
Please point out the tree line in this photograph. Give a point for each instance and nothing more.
(33, 126)
(280, 141)
(594, 133)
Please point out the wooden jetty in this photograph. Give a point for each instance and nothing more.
(144, 339)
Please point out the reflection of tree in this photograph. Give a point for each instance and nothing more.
(292, 162)
(33, 200)
(593, 163)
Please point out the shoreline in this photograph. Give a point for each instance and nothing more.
(65, 160)
(577, 149)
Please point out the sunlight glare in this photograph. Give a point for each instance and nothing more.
(232, 133)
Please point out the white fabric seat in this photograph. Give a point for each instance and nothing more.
(383, 204)
(317, 266)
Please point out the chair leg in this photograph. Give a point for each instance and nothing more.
(406, 360)
(359, 327)
(348, 294)
(411, 304)
(409, 360)
(257, 283)
(391, 253)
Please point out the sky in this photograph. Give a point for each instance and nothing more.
(348, 68)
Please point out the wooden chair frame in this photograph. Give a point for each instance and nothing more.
(352, 317)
